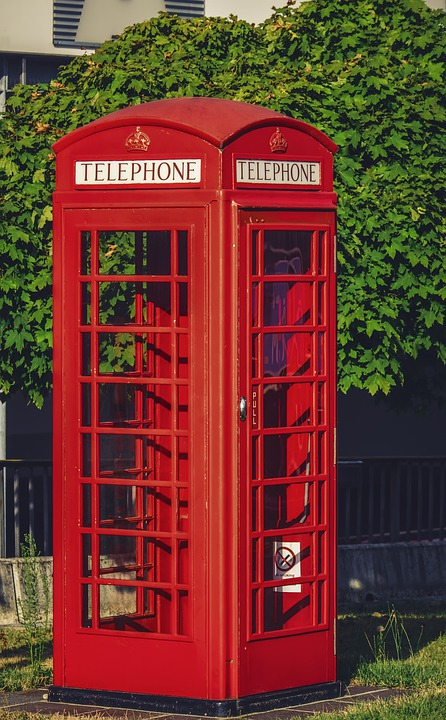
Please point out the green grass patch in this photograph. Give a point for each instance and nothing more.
(426, 705)
(408, 651)
(16, 672)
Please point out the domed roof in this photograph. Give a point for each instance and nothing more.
(216, 120)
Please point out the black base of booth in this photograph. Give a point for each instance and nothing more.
(198, 706)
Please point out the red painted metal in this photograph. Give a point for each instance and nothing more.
(194, 251)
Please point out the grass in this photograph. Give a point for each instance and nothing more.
(375, 647)
(424, 705)
(386, 648)
(16, 671)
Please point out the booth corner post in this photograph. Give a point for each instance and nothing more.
(195, 399)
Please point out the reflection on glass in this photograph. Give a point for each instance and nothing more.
(287, 303)
(182, 370)
(322, 251)
(287, 252)
(86, 455)
(182, 306)
(85, 304)
(125, 252)
(287, 354)
(116, 404)
(86, 405)
(321, 303)
(287, 404)
(85, 252)
(122, 303)
(117, 506)
(86, 555)
(117, 455)
(287, 505)
(182, 252)
(86, 606)
(287, 455)
(86, 353)
(254, 248)
(86, 506)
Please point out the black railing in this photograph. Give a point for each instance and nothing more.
(391, 500)
(379, 500)
(25, 505)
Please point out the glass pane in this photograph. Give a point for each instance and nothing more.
(182, 306)
(183, 509)
(182, 252)
(255, 254)
(287, 455)
(287, 252)
(287, 354)
(321, 303)
(287, 505)
(287, 405)
(117, 252)
(86, 353)
(159, 499)
(182, 356)
(86, 506)
(183, 459)
(117, 404)
(86, 405)
(158, 453)
(288, 610)
(321, 359)
(118, 352)
(182, 408)
(85, 304)
(158, 252)
(287, 303)
(117, 455)
(86, 455)
(124, 252)
(85, 252)
(86, 606)
(322, 252)
(86, 555)
(117, 506)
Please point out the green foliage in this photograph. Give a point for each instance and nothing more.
(369, 73)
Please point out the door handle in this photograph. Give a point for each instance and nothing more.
(243, 408)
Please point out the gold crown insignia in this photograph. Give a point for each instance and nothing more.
(137, 140)
(277, 142)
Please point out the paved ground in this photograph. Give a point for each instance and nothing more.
(34, 701)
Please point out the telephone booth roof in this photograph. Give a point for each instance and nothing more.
(215, 120)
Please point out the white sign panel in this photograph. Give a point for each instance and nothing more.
(278, 172)
(138, 172)
(287, 564)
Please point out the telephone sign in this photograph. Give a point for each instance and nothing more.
(194, 406)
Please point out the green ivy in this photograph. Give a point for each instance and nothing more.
(369, 73)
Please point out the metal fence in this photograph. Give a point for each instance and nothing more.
(379, 500)
(391, 500)
(25, 505)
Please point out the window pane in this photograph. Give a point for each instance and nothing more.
(287, 252)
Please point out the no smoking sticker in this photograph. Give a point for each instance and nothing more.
(287, 564)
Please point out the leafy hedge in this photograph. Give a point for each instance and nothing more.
(369, 73)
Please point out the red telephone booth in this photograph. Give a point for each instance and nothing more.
(194, 385)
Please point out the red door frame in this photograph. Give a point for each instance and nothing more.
(265, 662)
(132, 675)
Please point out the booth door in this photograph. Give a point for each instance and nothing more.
(132, 396)
(287, 450)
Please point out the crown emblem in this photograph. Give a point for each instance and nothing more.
(277, 142)
(137, 140)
